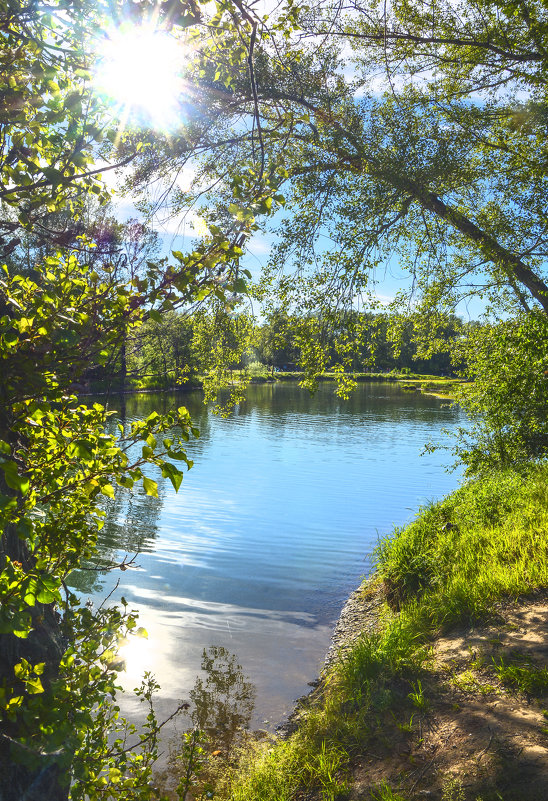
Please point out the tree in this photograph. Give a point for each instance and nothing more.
(221, 337)
(161, 353)
(274, 341)
(451, 186)
(506, 402)
(51, 122)
(432, 153)
(57, 667)
(116, 251)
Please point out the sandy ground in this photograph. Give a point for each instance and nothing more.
(475, 738)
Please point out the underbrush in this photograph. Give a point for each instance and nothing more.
(485, 542)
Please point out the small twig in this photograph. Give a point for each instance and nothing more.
(123, 565)
(28, 749)
(487, 747)
(183, 705)
(111, 593)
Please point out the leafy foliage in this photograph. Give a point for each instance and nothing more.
(70, 311)
(508, 397)
(57, 461)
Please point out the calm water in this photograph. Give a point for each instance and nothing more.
(272, 528)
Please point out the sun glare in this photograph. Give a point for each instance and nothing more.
(140, 71)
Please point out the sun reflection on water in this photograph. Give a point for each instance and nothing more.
(138, 655)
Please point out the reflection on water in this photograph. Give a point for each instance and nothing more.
(271, 529)
(222, 705)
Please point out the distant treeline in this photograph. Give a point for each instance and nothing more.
(176, 348)
(172, 348)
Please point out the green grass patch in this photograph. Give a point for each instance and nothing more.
(485, 541)
(520, 673)
(385, 793)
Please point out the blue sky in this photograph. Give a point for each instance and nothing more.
(177, 233)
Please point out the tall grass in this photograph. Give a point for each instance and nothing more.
(486, 540)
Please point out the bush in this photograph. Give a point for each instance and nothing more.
(507, 400)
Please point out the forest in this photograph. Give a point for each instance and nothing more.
(362, 140)
(170, 353)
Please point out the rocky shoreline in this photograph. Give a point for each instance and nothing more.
(359, 615)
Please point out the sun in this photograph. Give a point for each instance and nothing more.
(140, 70)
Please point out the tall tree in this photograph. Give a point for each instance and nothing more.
(57, 672)
(433, 152)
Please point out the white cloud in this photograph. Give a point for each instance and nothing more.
(259, 246)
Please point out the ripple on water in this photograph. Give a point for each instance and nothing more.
(273, 527)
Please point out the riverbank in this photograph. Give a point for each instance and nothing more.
(439, 386)
(442, 693)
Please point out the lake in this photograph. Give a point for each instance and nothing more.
(271, 530)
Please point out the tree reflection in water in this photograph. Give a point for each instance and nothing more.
(222, 704)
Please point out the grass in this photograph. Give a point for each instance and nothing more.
(385, 793)
(485, 542)
(522, 674)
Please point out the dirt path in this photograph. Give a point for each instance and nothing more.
(479, 730)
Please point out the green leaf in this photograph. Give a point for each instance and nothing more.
(45, 596)
(30, 592)
(10, 337)
(7, 502)
(150, 487)
(21, 669)
(34, 686)
(82, 449)
(240, 286)
(176, 479)
(54, 177)
(174, 475)
(13, 479)
(179, 455)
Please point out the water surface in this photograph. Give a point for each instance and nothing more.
(272, 528)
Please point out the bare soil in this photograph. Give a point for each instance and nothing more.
(472, 737)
